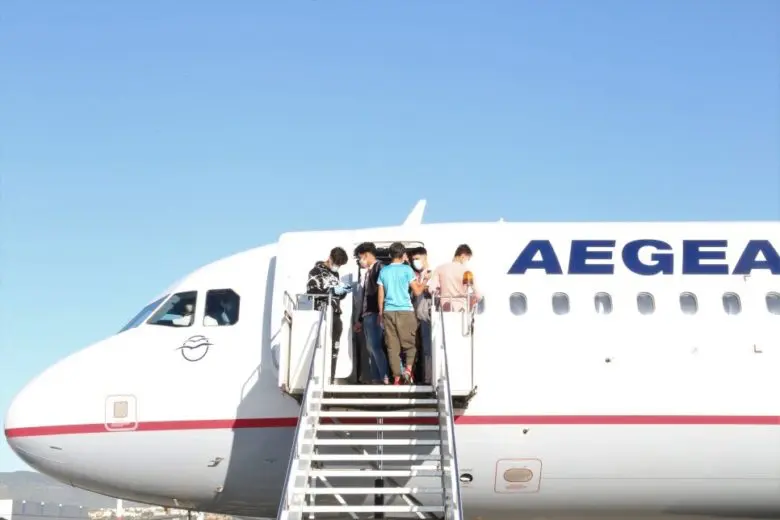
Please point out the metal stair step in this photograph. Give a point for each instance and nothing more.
(379, 389)
(367, 509)
(379, 413)
(369, 491)
(377, 427)
(369, 401)
(377, 442)
(415, 472)
(346, 457)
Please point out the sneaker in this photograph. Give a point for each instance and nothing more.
(408, 378)
(396, 380)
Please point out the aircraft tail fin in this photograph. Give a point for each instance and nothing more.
(416, 215)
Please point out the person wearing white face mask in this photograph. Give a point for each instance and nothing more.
(448, 280)
(422, 309)
(323, 280)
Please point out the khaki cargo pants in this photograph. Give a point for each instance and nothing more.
(400, 335)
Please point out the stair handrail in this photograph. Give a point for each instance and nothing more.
(444, 395)
(300, 429)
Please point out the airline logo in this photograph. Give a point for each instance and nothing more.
(648, 257)
(195, 348)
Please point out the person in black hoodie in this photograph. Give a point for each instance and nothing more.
(323, 280)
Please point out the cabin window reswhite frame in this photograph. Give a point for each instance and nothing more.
(689, 304)
(560, 303)
(518, 303)
(602, 302)
(773, 302)
(732, 304)
(645, 303)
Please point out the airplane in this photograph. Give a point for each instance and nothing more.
(610, 366)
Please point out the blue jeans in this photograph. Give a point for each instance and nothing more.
(377, 360)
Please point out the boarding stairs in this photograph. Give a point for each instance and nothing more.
(373, 451)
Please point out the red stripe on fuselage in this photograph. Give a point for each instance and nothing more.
(479, 420)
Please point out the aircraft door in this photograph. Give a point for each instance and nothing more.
(304, 326)
(293, 310)
(302, 321)
(346, 356)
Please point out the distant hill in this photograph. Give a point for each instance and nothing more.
(32, 486)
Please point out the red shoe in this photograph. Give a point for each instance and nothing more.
(396, 380)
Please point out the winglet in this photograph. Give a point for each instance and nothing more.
(416, 216)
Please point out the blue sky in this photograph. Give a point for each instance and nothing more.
(140, 140)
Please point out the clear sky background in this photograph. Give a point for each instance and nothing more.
(140, 140)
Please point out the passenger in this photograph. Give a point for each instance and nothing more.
(369, 313)
(448, 280)
(362, 374)
(396, 312)
(422, 309)
(323, 280)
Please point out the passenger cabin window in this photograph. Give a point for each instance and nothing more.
(143, 314)
(603, 303)
(177, 311)
(645, 303)
(560, 303)
(731, 303)
(222, 307)
(688, 303)
(773, 302)
(518, 304)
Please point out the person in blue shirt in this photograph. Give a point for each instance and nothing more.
(396, 284)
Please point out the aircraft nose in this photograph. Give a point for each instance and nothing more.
(14, 418)
(24, 431)
(12, 423)
(43, 413)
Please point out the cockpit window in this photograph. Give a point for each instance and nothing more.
(143, 314)
(222, 307)
(178, 311)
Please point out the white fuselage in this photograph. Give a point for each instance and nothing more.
(668, 411)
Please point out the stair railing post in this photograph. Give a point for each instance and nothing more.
(379, 482)
(327, 344)
(436, 325)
